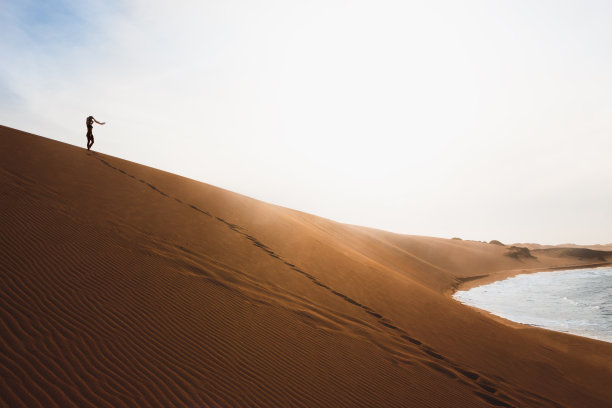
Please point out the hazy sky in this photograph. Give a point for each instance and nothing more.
(474, 119)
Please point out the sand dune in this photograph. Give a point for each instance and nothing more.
(125, 286)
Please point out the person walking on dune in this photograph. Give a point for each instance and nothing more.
(89, 122)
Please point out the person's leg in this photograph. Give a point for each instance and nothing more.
(90, 141)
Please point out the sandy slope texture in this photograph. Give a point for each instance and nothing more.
(123, 285)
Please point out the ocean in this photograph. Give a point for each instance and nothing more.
(577, 301)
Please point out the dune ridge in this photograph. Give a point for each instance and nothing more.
(124, 285)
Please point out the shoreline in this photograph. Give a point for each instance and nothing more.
(482, 280)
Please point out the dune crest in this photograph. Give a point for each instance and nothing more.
(123, 285)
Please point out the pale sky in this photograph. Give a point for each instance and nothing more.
(474, 119)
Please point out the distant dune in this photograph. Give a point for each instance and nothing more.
(597, 247)
(125, 286)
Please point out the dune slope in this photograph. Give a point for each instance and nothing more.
(125, 286)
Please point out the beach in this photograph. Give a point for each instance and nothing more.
(126, 286)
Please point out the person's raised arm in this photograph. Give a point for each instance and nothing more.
(99, 123)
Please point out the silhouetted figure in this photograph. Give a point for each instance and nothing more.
(89, 122)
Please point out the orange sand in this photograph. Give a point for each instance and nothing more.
(123, 285)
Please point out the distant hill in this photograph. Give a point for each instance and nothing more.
(596, 247)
